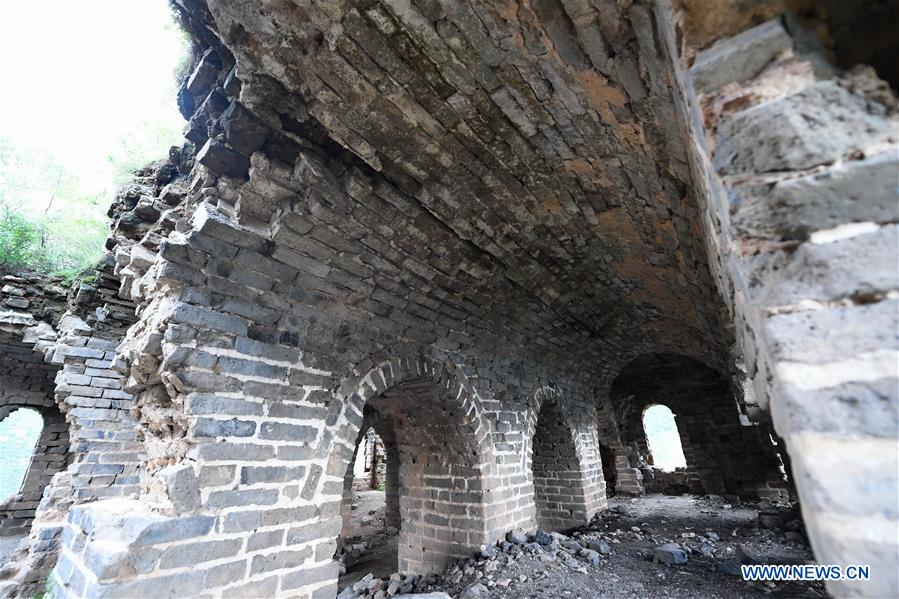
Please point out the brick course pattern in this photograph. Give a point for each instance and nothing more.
(479, 229)
(57, 363)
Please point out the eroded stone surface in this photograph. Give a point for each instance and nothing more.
(488, 230)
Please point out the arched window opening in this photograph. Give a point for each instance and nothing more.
(34, 445)
(19, 434)
(663, 439)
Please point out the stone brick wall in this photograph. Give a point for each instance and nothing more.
(54, 361)
(105, 446)
(447, 215)
(619, 457)
(42, 297)
(796, 164)
(452, 498)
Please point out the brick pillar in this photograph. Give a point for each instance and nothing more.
(558, 484)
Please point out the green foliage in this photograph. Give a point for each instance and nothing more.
(52, 245)
(149, 141)
(21, 240)
(47, 590)
(185, 61)
(47, 224)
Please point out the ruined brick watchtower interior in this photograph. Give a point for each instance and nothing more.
(492, 299)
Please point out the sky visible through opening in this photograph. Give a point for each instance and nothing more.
(663, 438)
(18, 434)
(78, 76)
(87, 94)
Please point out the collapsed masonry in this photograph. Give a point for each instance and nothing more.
(495, 233)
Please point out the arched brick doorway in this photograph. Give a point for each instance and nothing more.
(27, 383)
(609, 474)
(443, 465)
(440, 476)
(383, 427)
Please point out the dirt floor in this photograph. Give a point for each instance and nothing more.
(714, 534)
(367, 526)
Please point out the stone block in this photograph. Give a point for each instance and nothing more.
(311, 484)
(279, 560)
(238, 452)
(839, 332)
(208, 427)
(203, 317)
(250, 475)
(855, 407)
(269, 351)
(324, 529)
(173, 529)
(243, 131)
(670, 553)
(740, 57)
(195, 553)
(215, 404)
(308, 576)
(861, 266)
(222, 160)
(856, 191)
(241, 521)
(232, 498)
(276, 517)
(204, 74)
(265, 539)
(225, 574)
(185, 584)
(267, 587)
(209, 221)
(277, 431)
(816, 126)
(181, 486)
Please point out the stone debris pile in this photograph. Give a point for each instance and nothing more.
(409, 585)
(479, 574)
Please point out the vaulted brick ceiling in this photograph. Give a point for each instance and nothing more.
(517, 162)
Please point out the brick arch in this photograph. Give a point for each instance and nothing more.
(27, 382)
(445, 458)
(723, 455)
(562, 456)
